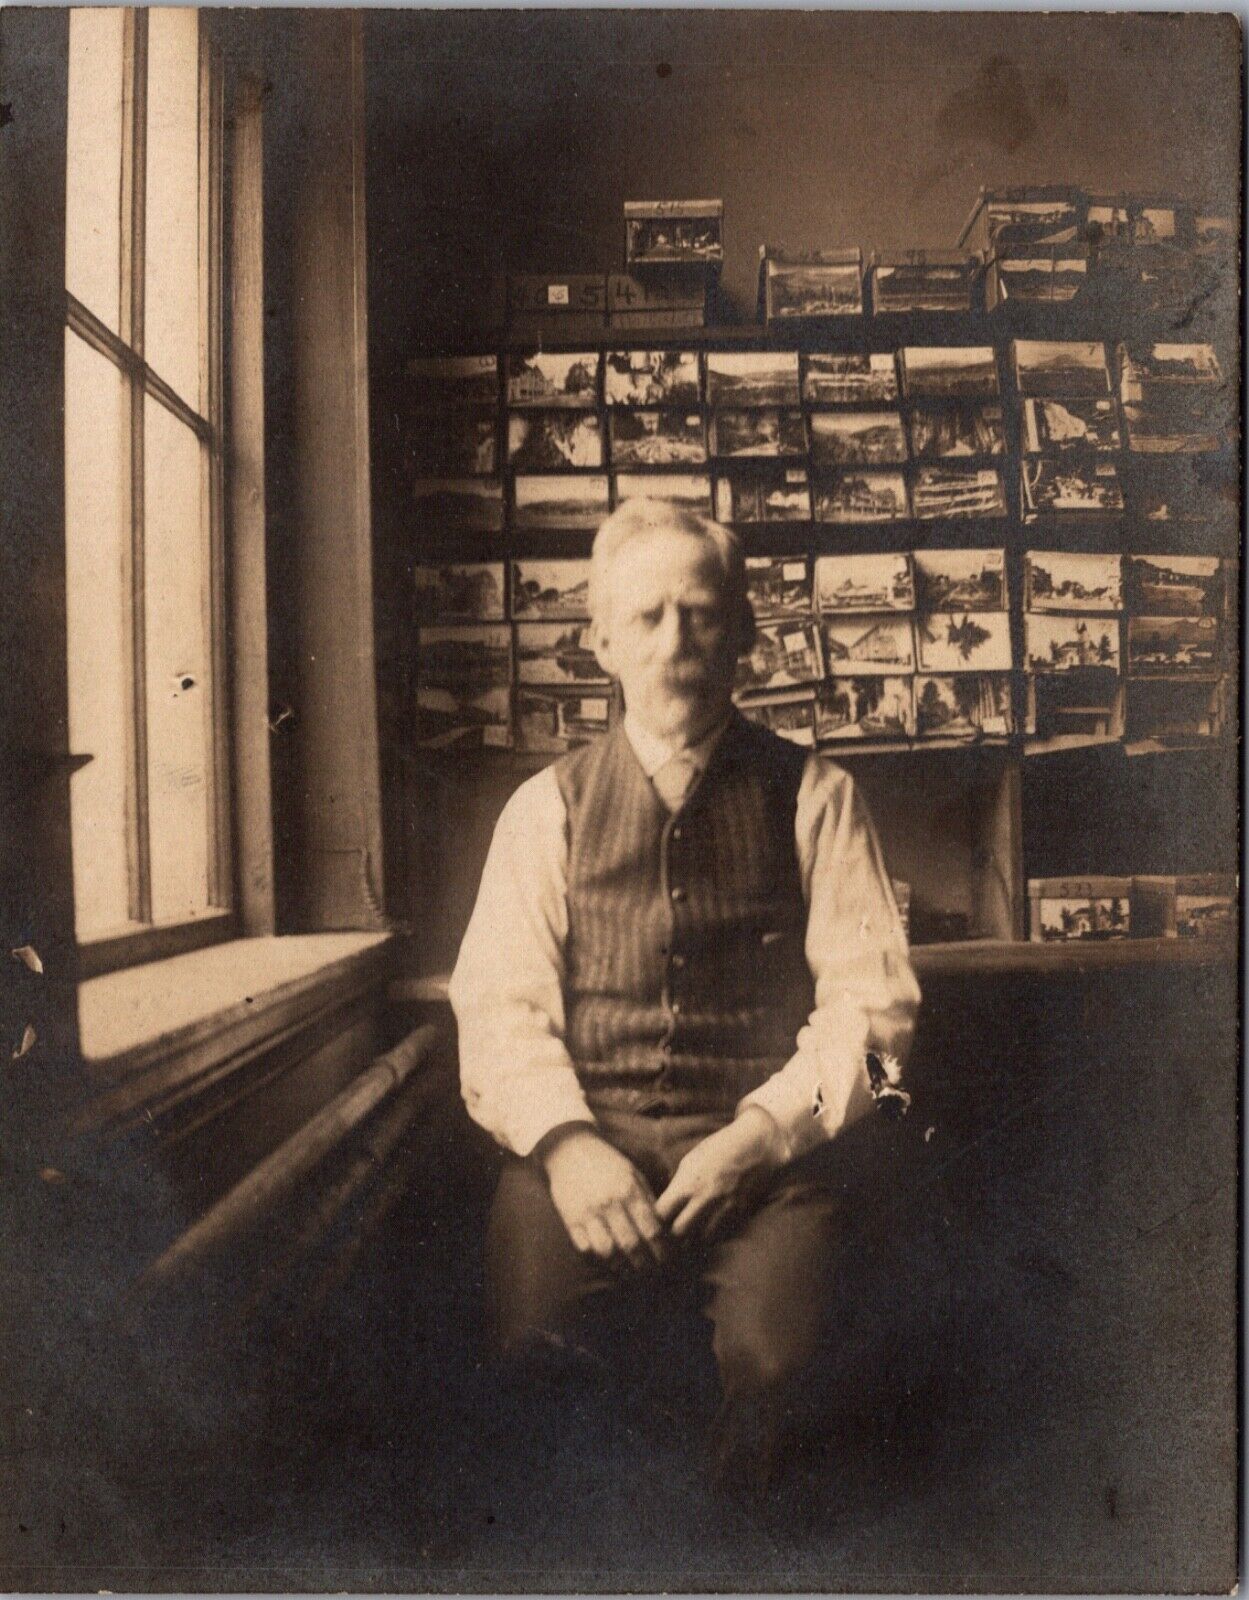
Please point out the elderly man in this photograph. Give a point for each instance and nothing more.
(683, 953)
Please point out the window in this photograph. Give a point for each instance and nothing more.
(143, 473)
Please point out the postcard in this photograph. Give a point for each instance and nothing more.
(651, 378)
(783, 655)
(1165, 645)
(870, 707)
(1057, 580)
(960, 580)
(848, 379)
(555, 652)
(442, 381)
(942, 433)
(949, 372)
(923, 281)
(958, 492)
(964, 641)
(964, 705)
(457, 443)
(550, 591)
(1060, 367)
(864, 583)
(646, 438)
(812, 284)
(1069, 487)
(454, 714)
(1065, 644)
(542, 441)
(779, 495)
(779, 586)
(1082, 917)
(455, 656)
(467, 504)
(560, 502)
(861, 497)
(868, 644)
(752, 378)
(857, 438)
(467, 591)
(1175, 586)
(547, 379)
(791, 716)
(1053, 427)
(763, 432)
(692, 489)
(548, 721)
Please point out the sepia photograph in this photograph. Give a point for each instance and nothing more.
(470, 591)
(778, 586)
(834, 379)
(1163, 645)
(935, 372)
(1175, 586)
(758, 433)
(547, 378)
(857, 438)
(651, 378)
(1066, 644)
(752, 378)
(958, 492)
(643, 438)
(1054, 427)
(550, 591)
(551, 441)
(559, 502)
(557, 653)
(951, 431)
(530, 1065)
(1063, 580)
(871, 707)
(864, 583)
(861, 497)
(964, 641)
(960, 580)
(964, 705)
(855, 646)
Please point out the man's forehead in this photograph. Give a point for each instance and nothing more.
(666, 558)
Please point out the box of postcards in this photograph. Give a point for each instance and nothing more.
(1168, 713)
(1206, 905)
(548, 721)
(1036, 275)
(557, 306)
(1174, 398)
(1081, 909)
(668, 233)
(1031, 215)
(660, 299)
(809, 284)
(933, 281)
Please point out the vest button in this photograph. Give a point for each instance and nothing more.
(678, 960)
(678, 893)
(677, 832)
(676, 1008)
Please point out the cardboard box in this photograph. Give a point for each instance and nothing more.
(809, 284)
(667, 233)
(1063, 910)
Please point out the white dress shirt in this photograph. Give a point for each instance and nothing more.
(517, 1077)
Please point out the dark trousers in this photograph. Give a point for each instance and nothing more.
(776, 1281)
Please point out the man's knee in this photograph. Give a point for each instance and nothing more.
(762, 1349)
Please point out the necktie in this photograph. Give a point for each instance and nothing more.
(674, 780)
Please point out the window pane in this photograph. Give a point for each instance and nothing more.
(179, 698)
(93, 161)
(96, 540)
(172, 304)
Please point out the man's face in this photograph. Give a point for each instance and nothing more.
(668, 633)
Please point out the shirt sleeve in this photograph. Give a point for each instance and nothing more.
(516, 1076)
(866, 995)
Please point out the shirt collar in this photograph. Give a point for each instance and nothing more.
(653, 752)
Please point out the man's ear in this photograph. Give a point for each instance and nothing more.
(600, 643)
(746, 629)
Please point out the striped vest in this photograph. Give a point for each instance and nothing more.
(685, 978)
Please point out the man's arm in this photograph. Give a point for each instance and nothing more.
(516, 1075)
(866, 995)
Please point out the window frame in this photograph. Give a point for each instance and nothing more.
(140, 939)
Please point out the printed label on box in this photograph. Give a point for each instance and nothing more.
(557, 294)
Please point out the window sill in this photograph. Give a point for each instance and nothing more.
(149, 1035)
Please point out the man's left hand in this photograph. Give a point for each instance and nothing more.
(710, 1178)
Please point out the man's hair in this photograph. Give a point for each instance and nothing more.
(640, 517)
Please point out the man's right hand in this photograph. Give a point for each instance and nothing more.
(602, 1199)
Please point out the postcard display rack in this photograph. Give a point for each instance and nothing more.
(989, 514)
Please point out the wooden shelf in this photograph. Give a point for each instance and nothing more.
(971, 958)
